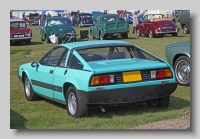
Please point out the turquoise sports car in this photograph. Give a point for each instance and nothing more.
(98, 73)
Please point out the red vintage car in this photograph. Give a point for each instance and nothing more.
(157, 25)
(19, 32)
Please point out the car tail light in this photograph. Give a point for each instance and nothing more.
(102, 79)
(177, 28)
(159, 74)
(30, 31)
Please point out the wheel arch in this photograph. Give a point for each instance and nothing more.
(177, 56)
(67, 84)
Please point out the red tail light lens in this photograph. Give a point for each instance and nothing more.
(104, 79)
(160, 74)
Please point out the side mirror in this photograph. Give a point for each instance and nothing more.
(34, 64)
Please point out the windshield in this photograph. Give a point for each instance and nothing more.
(17, 24)
(109, 53)
(59, 22)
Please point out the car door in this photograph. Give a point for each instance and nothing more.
(43, 77)
(60, 75)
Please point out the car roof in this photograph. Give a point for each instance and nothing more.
(86, 44)
(14, 20)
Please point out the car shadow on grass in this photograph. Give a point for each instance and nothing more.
(138, 109)
(24, 44)
(16, 120)
(129, 109)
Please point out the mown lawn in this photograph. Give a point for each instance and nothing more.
(46, 114)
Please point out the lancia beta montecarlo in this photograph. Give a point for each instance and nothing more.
(100, 73)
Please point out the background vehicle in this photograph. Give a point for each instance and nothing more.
(185, 25)
(178, 55)
(157, 25)
(109, 25)
(33, 19)
(55, 24)
(19, 32)
(84, 19)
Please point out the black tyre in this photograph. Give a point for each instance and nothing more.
(28, 90)
(185, 30)
(182, 70)
(28, 42)
(92, 37)
(162, 102)
(47, 40)
(175, 34)
(151, 35)
(75, 104)
(138, 32)
(101, 37)
(125, 35)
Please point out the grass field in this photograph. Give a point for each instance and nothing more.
(46, 114)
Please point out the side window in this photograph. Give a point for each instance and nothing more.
(55, 56)
(62, 63)
(75, 63)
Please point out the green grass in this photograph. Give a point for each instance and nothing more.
(46, 114)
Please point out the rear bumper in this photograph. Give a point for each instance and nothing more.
(129, 95)
(167, 32)
(20, 39)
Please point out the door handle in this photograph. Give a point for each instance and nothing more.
(65, 72)
(51, 71)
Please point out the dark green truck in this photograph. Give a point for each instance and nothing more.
(109, 25)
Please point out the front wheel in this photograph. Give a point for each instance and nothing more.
(75, 104)
(28, 90)
(162, 102)
(182, 70)
(92, 37)
(47, 39)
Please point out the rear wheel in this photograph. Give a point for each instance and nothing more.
(47, 40)
(28, 42)
(75, 104)
(138, 32)
(162, 102)
(185, 30)
(175, 34)
(151, 35)
(125, 35)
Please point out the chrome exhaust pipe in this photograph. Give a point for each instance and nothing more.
(102, 109)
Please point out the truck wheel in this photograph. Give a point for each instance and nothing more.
(75, 104)
(185, 30)
(101, 37)
(151, 35)
(125, 35)
(91, 35)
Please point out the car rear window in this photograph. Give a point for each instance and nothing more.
(18, 24)
(109, 53)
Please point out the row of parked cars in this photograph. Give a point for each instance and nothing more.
(101, 73)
